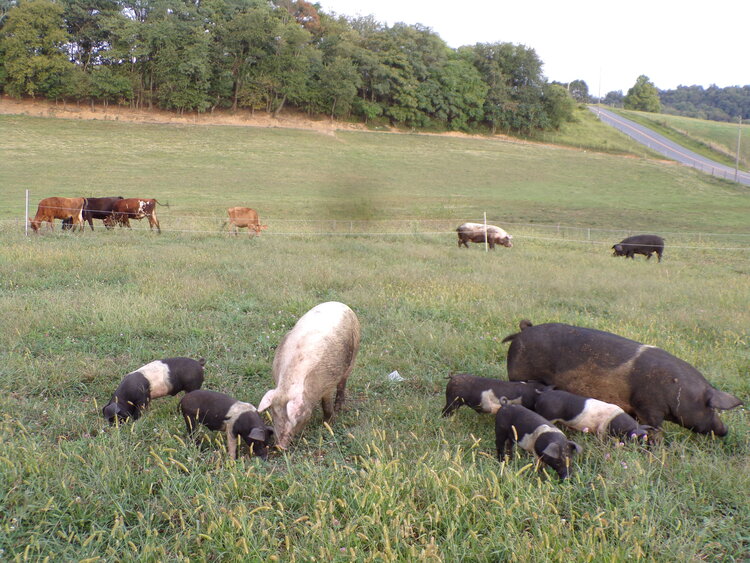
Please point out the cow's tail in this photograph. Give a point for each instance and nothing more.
(523, 325)
(160, 203)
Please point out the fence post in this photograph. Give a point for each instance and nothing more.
(26, 222)
(486, 248)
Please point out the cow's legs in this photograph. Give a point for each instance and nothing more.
(153, 220)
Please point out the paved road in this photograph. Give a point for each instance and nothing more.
(671, 150)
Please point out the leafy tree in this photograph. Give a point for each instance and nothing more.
(5, 6)
(643, 96)
(515, 99)
(558, 105)
(339, 81)
(89, 38)
(461, 94)
(287, 72)
(580, 91)
(614, 98)
(245, 41)
(32, 46)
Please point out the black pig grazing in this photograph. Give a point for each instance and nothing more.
(639, 244)
(483, 394)
(218, 411)
(156, 379)
(535, 434)
(644, 381)
(590, 415)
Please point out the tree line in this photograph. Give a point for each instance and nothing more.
(199, 55)
(714, 103)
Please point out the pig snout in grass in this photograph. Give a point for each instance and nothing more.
(220, 412)
(483, 394)
(535, 434)
(644, 381)
(312, 364)
(591, 415)
(153, 380)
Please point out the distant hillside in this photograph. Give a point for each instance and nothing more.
(714, 103)
(715, 140)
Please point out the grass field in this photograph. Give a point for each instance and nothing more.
(389, 480)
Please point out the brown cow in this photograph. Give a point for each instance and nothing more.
(245, 217)
(51, 208)
(134, 208)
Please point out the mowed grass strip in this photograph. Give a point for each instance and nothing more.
(390, 479)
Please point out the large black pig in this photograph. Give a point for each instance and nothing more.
(639, 244)
(644, 380)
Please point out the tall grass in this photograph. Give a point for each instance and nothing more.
(389, 479)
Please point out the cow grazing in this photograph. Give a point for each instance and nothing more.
(218, 411)
(96, 208)
(483, 394)
(134, 208)
(475, 232)
(155, 379)
(240, 217)
(312, 363)
(639, 244)
(590, 415)
(51, 208)
(535, 434)
(644, 381)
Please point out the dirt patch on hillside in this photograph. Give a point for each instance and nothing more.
(62, 110)
(240, 118)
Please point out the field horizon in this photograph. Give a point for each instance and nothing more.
(366, 219)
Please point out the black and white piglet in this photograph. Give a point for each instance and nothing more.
(591, 415)
(218, 411)
(155, 379)
(483, 394)
(535, 434)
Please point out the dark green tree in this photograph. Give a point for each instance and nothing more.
(614, 98)
(558, 106)
(643, 96)
(32, 44)
(339, 83)
(580, 91)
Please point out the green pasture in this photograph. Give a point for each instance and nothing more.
(366, 219)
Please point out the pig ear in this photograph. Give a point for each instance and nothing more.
(270, 430)
(266, 401)
(578, 449)
(721, 400)
(553, 451)
(258, 433)
(295, 408)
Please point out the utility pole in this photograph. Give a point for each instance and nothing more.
(737, 159)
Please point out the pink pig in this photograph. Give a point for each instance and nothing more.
(312, 363)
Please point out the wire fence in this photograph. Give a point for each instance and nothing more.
(212, 225)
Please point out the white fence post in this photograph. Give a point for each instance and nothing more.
(26, 222)
(486, 248)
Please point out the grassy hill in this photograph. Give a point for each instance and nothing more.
(367, 219)
(714, 139)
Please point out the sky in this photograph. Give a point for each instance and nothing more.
(606, 44)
